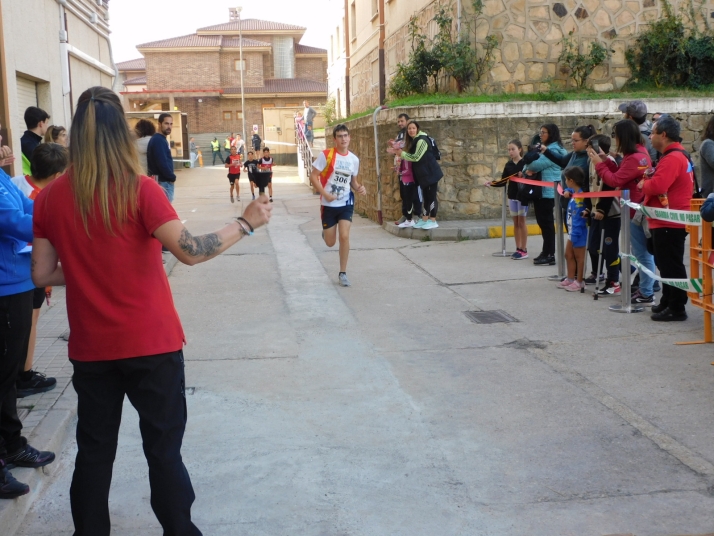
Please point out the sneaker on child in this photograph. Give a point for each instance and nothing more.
(610, 289)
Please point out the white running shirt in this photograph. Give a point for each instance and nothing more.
(346, 167)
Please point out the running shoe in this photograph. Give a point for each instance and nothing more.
(590, 280)
(548, 260)
(565, 283)
(400, 221)
(668, 315)
(610, 289)
(638, 298)
(271, 199)
(10, 488)
(430, 224)
(420, 224)
(524, 255)
(232, 200)
(29, 456)
(573, 287)
(344, 282)
(405, 224)
(237, 198)
(38, 383)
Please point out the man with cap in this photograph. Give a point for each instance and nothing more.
(637, 111)
(670, 187)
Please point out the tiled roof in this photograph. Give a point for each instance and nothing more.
(303, 49)
(191, 40)
(234, 42)
(249, 25)
(200, 41)
(284, 85)
(138, 64)
(137, 81)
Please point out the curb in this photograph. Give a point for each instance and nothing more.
(170, 263)
(51, 434)
(454, 233)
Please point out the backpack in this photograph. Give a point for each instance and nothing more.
(434, 147)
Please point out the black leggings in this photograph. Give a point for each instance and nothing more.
(610, 249)
(411, 200)
(544, 217)
(431, 205)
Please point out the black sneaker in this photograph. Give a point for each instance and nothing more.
(38, 383)
(548, 260)
(667, 315)
(10, 488)
(658, 308)
(29, 456)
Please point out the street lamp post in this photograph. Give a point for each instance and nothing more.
(242, 68)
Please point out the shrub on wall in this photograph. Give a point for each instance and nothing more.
(668, 53)
(580, 60)
(457, 56)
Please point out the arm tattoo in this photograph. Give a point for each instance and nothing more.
(204, 245)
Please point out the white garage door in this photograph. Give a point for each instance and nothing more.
(26, 96)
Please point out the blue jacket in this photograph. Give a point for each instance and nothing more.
(550, 171)
(158, 158)
(707, 210)
(15, 233)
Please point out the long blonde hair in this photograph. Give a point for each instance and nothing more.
(104, 165)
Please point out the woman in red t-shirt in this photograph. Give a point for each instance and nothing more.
(107, 223)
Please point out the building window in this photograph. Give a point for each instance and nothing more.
(239, 65)
(353, 22)
(375, 8)
(227, 116)
(239, 115)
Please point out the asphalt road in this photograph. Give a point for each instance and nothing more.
(381, 409)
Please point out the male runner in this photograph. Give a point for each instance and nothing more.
(334, 175)
(251, 166)
(233, 164)
(266, 163)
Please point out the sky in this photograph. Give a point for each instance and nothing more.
(133, 22)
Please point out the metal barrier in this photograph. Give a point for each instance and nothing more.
(701, 262)
(625, 287)
(503, 252)
(559, 238)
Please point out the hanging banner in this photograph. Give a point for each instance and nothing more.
(689, 285)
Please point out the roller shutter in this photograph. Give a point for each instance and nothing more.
(26, 97)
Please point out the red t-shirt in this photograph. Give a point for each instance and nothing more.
(119, 301)
(235, 164)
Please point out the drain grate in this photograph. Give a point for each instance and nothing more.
(489, 317)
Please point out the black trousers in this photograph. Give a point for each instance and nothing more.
(411, 200)
(431, 205)
(611, 247)
(155, 387)
(545, 219)
(217, 154)
(15, 326)
(669, 258)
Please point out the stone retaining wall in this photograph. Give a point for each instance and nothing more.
(473, 140)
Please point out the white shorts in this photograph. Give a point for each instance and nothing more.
(517, 208)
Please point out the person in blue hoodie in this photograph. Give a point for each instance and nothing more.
(550, 172)
(16, 291)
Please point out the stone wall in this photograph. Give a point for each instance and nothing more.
(473, 140)
(530, 37)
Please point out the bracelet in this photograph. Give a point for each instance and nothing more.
(240, 221)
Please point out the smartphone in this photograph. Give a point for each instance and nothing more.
(595, 145)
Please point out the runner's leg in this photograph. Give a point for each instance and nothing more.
(344, 229)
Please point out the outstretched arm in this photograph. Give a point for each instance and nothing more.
(192, 250)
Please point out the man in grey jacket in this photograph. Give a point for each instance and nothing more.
(637, 111)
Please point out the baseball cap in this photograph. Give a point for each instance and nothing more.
(635, 108)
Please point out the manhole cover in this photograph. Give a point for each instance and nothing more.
(489, 317)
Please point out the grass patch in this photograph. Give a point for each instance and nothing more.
(631, 92)
(426, 238)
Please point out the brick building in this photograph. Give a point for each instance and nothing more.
(199, 74)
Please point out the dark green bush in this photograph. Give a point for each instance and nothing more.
(668, 53)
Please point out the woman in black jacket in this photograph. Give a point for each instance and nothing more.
(427, 172)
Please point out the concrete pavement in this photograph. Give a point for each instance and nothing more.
(382, 409)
